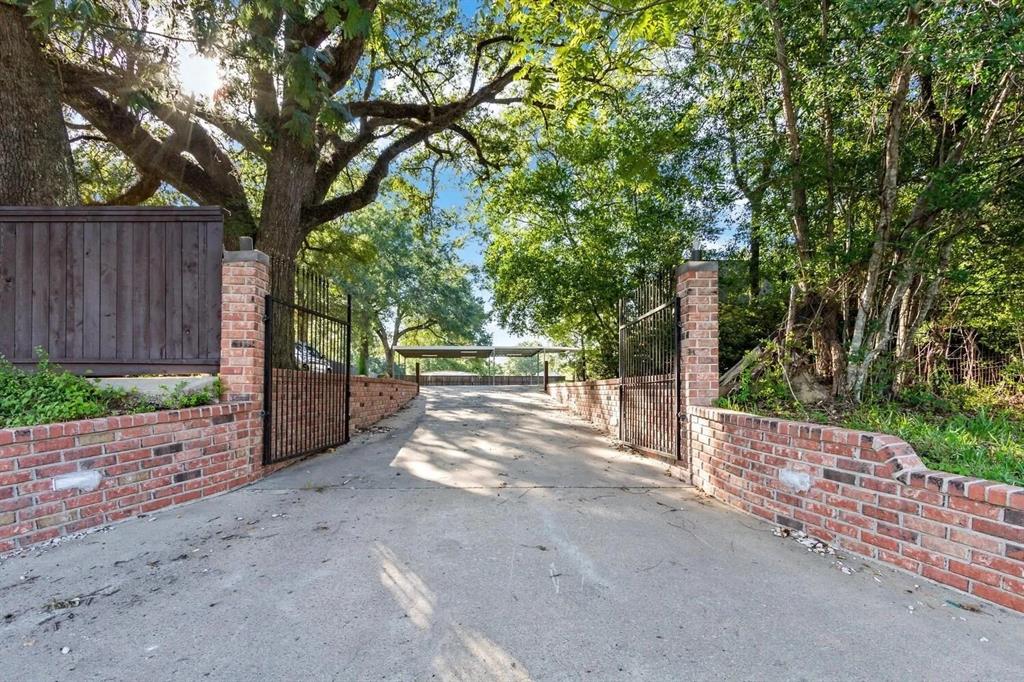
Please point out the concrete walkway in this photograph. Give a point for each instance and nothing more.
(479, 534)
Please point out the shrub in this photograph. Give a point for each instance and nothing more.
(49, 394)
(178, 398)
(967, 430)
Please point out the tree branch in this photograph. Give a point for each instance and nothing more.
(474, 143)
(150, 155)
(144, 188)
(367, 192)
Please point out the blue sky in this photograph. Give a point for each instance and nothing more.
(452, 194)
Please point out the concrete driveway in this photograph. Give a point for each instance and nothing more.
(479, 534)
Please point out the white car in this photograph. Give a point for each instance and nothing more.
(310, 359)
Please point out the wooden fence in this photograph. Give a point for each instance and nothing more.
(112, 291)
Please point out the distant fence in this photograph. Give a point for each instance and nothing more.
(112, 290)
(976, 372)
(499, 380)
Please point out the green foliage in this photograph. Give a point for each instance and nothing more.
(767, 390)
(744, 322)
(966, 430)
(407, 280)
(587, 210)
(982, 443)
(49, 394)
(812, 123)
(180, 397)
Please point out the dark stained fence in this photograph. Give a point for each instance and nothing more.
(112, 290)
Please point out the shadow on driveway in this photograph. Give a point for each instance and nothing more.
(481, 533)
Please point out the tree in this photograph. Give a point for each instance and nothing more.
(411, 282)
(319, 100)
(36, 167)
(590, 210)
(864, 138)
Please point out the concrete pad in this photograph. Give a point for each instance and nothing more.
(158, 387)
(482, 533)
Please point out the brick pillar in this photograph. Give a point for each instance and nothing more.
(697, 286)
(245, 283)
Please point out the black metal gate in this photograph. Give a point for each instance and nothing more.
(306, 380)
(649, 367)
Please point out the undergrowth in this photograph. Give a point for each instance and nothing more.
(962, 429)
(49, 394)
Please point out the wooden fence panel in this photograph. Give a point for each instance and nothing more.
(112, 290)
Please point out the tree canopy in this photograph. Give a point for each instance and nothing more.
(318, 100)
(858, 165)
(405, 276)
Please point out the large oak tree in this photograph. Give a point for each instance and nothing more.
(319, 99)
(36, 167)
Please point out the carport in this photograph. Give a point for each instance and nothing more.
(488, 353)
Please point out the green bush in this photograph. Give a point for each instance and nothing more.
(962, 429)
(983, 443)
(49, 394)
(178, 398)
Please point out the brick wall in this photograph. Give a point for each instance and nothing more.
(59, 479)
(866, 493)
(595, 401)
(120, 466)
(697, 286)
(869, 494)
(375, 398)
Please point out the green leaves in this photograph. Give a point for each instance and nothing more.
(404, 272)
(589, 208)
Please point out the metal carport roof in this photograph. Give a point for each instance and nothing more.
(477, 351)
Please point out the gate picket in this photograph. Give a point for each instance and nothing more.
(307, 368)
(649, 367)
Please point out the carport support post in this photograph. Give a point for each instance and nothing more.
(417, 377)
(697, 287)
(545, 376)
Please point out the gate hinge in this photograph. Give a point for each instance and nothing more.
(264, 414)
(266, 317)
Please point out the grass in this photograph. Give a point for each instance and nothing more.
(965, 430)
(49, 395)
(984, 444)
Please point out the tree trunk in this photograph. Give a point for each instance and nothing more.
(798, 187)
(363, 363)
(754, 267)
(290, 179)
(36, 167)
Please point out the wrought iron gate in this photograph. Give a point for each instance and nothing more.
(649, 367)
(306, 380)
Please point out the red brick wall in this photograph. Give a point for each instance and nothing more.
(697, 286)
(375, 398)
(869, 494)
(141, 463)
(595, 401)
(866, 493)
(145, 462)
